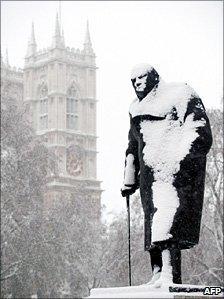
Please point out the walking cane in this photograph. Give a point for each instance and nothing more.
(129, 238)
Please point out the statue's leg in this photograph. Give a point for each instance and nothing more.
(166, 277)
(171, 267)
(175, 256)
(156, 263)
(156, 257)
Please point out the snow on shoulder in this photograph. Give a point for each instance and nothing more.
(162, 99)
(140, 69)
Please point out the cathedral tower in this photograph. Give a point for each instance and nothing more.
(60, 88)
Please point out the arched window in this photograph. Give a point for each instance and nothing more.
(72, 109)
(43, 107)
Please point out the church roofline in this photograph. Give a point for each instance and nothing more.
(13, 69)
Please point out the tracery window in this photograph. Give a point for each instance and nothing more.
(72, 109)
(43, 111)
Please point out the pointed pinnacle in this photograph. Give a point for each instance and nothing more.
(57, 26)
(32, 46)
(32, 38)
(87, 37)
(6, 57)
(63, 37)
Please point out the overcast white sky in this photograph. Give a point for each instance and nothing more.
(181, 39)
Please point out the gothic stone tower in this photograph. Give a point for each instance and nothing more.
(60, 88)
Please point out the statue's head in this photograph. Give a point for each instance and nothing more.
(144, 78)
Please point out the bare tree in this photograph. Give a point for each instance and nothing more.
(115, 259)
(23, 181)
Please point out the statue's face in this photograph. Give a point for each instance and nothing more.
(145, 82)
(139, 84)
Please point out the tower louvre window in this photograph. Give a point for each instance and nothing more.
(43, 105)
(72, 113)
(43, 113)
(72, 109)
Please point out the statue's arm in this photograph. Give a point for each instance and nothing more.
(131, 170)
(203, 142)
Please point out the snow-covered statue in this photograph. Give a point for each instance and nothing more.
(169, 139)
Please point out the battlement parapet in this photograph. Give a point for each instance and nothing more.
(66, 54)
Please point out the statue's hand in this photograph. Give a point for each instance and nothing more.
(128, 190)
(193, 124)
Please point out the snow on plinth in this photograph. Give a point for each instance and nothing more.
(131, 292)
(147, 291)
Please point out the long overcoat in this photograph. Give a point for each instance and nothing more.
(188, 182)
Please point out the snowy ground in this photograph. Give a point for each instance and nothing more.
(145, 291)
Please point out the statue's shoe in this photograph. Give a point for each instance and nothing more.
(165, 280)
(155, 276)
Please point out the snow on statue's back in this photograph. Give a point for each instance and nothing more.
(165, 160)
